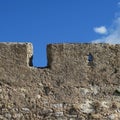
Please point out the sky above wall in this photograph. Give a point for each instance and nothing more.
(43, 22)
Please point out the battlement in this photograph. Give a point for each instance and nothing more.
(81, 82)
(59, 54)
(17, 53)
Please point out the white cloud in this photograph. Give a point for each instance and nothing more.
(100, 30)
(113, 36)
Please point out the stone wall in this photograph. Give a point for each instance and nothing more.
(80, 82)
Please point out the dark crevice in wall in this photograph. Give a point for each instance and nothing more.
(31, 61)
(90, 57)
(91, 60)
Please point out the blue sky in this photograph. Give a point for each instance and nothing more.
(42, 22)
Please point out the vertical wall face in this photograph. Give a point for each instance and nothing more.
(73, 60)
(77, 54)
(15, 58)
(82, 81)
(17, 54)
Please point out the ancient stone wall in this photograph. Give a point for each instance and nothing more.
(81, 82)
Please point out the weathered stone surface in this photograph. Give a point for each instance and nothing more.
(81, 82)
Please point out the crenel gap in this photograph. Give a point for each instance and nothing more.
(39, 58)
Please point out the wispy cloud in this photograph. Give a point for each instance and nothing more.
(100, 30)
(113, 36)
(118, 4)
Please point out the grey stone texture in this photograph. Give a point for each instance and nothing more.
(80, 82)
